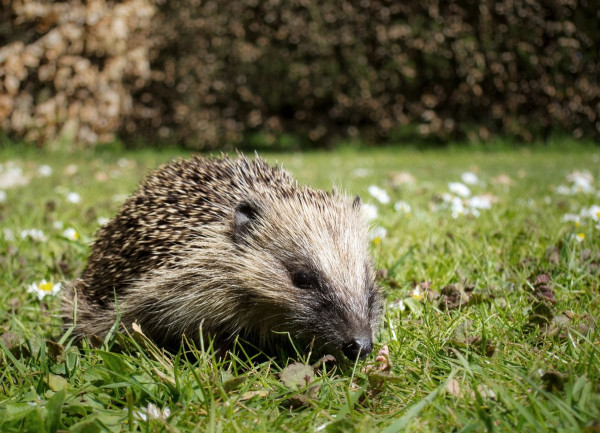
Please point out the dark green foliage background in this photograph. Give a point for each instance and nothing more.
(383, 69)
(302, 73)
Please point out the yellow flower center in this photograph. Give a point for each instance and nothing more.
(417, 295)
(581, 236)
(377, 240)
(46, 287)
(598, 214)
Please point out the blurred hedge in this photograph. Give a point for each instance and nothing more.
(206, 73)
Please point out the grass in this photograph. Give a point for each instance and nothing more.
(517, 349)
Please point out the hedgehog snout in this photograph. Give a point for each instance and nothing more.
(358, 347)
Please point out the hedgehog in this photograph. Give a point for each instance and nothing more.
(223, 248)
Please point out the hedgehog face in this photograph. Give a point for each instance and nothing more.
(311, 270)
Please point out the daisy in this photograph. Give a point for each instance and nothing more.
(377, 234)
(480, 202)
(571, 217)
(71, 234)
(360, 172)
(370, 211)
(152, 412)
(45, 170)
(8, 234)
(402, 206)
(34, 234)
(581, 181)
(592, 212)
(457, 207)
(459, 189)
(44, 288)
(469, 178)
(416, 293)
(398, 305)
(102, 221)
(380, 194)
(73, 197)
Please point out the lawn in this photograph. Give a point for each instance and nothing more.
(490, 263)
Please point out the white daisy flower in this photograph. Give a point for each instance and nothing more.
(44, 288)
(571, 217)
(370, 211)
(479, 202)
(58, 225)
(380, 194)
(592, 212)
(582, 181)
(469, 178)
(360, 172)
(102, 221)
(45, 170)
(8, 234)
(377, 234)
(459, 189)
(12, 177)
(152, 412)
(457, 207)
(398, 305)
(73, 197)
(447, 197)
(34, 234)
(402, 206)
(416, 293)
(71, 234)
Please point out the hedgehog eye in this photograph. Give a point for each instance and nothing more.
(304, 280)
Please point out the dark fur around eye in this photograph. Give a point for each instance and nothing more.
(305, 279)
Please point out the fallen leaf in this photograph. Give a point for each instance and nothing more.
(297, 376)
(553, 380)
(542, 289)
(542, 279)
(453, 296)
(13, 303)
(10, 339)
(586, 254)
(453, 387)
(251, 394)
(460, 335)
(553, 255)
(502, 179)
(54, 350)
(541, 314)
(233, 383)
(323, 360)
(56, 383)
(400, 178)
(383, 359)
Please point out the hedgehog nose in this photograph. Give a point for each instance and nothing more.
(358, 347)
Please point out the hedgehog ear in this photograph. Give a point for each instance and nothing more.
(357, 202)
(246, 213)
